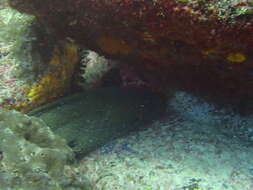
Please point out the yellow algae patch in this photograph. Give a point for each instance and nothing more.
(48, 87)
(56, 80)
(236, 57)
(113, 46)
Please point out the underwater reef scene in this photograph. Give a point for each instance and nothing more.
(126, 95)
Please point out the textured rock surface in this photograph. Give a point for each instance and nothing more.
(92, 118)
(206, 44)
(35, 67)
(32, 156)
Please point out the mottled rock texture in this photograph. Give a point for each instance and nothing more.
(35, 68)
(200, 44)
(32, 157)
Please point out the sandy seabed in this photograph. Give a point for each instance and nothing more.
(173, 154)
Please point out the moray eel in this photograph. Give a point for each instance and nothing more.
(90, 119)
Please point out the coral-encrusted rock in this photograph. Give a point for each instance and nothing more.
(35, 68)
(210, 38)
(32, 157)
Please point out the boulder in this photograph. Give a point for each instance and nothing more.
(32, 157)
(35, 67)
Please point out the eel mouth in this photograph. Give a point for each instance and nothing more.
(91, 70)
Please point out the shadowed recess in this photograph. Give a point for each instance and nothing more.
(90, 119)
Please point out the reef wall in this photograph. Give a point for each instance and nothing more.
(199, 44)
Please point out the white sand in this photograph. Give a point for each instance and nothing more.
(175, 154)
